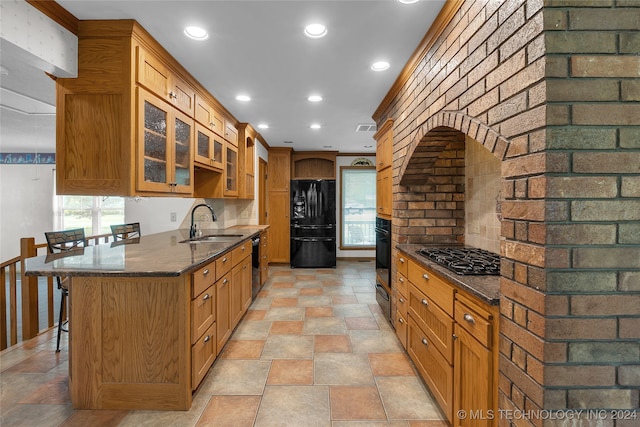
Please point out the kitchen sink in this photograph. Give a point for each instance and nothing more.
(213, 238)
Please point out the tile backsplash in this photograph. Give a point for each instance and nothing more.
(482, 191)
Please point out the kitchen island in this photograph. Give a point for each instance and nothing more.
(144, 314)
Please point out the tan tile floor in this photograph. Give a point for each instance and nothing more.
(313, 350)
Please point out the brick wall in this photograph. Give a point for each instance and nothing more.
(551, 89)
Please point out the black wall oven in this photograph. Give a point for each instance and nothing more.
(383, 265)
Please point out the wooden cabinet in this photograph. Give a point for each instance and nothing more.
(264, 257)
(158, 78)
(240, 282)
(401, 300)
(384, 167)
(109, 119)
(207, 115)
(209, 149)
(384, 186)
(203, 327)
(165, 157)
(452, 337)
(223, 311)
(475, 359)
(278, 181)
(246, 163)
(231, 171)
(313, 165)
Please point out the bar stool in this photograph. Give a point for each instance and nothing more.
(62, 241)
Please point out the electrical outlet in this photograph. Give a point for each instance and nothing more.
(173, 217)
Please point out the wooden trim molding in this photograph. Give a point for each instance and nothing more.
(443, 19)
(58, 13)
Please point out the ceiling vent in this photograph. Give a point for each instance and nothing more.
(366, 127)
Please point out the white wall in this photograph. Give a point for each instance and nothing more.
(346, 161)
(26, 205)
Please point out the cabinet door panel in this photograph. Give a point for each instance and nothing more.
(183, 153)
(436, 371)
(473, 376)
(223, 311)
(153, 74)
(153, 137)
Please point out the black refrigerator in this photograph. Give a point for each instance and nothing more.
(313, 223)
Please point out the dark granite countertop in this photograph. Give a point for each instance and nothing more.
(160, 254)
(487, 288)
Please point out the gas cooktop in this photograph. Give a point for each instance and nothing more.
(464, 261)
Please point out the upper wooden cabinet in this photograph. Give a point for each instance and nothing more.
(246, 168)
(109, 136)
(313, 165)
(384, 145)
(165, 157)
(384, 163)
(158, 78)
(208, 116)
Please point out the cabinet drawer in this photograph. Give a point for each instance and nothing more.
(437, 324)
(402, 264)
(223, 265)
(401, 328)
(203, 278)
(203, 311)
(474, 319)
(430, 284)
(203, 353)
(402, 304)
(403, 284)
(241, 252)
(435, 370)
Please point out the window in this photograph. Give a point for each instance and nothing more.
(93, 213)
(358, 207)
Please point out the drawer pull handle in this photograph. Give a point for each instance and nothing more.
(402, 260)
(401, 280)
(455, 337)
(425, 342)
(243, 248)
(425, 302)
(469, 318)
(224, 259)
(425, 276)
(402, 300)
(224, 282)
(400, 320)
(207, 338)
(205, 272)
(206, 297)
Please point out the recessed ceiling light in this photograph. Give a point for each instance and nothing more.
(408, 1)
(315, 31)
(196, 33)
(380, 66)
(315, 126)
(314, 98)
(243, 98)
(263, 126)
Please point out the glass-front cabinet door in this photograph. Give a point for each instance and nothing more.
(208, 148)
(165, 147)
(182, 153)
(231, 171)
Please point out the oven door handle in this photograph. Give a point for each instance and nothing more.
(382, 231)
(384, 293)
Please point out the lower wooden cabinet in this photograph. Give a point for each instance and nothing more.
(223, 311)
(435, 370)
(203, 353)
(452, 337)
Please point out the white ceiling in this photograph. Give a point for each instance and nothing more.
(258, 48)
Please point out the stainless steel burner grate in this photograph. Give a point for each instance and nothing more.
(464, 261)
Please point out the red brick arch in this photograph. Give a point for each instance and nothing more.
(430, 139)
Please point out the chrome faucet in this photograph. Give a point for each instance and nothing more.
(192, 230)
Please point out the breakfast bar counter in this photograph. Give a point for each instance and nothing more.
(142, 314)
